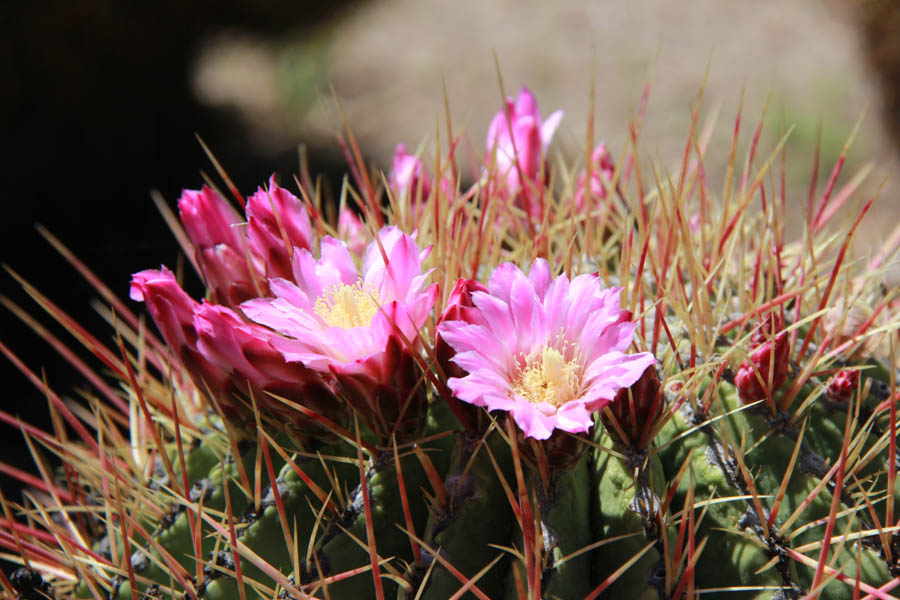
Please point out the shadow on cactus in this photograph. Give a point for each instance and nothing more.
(598, 380)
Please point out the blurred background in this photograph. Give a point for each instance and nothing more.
(100, 102)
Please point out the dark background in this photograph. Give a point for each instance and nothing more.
(97, 111)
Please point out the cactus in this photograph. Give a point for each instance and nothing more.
(637, 388)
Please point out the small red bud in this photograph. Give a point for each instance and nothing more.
(755, 379)
(842, 386)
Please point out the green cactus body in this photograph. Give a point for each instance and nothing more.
(478, 514)
(617, 500)
(566, 520)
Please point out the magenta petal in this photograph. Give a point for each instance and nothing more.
(526, 104)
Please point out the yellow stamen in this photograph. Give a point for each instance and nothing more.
(347, 306)
(548, 377)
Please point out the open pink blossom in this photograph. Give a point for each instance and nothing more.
(517, 140)
(336, 319)
(360, 327)
(551, 351)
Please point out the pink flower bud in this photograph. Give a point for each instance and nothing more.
(173, 312)
(602, 170)
(408, 174)
(352, 231)
(842, 385)
(213, 227)
(459, 308)
(242, 350)
(277, 223)
(766, 369)
(634, 406)
(517, 140)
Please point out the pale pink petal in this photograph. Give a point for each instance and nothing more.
(336, 254)
(549, 126)
(501, 280)
(540, 277)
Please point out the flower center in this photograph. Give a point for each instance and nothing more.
(347, 306)
(548, 377)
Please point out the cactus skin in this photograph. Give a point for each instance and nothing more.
(477, 514)
(566, 516)
(624, 504)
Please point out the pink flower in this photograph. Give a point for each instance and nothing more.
(336, 320)
(358, 327)
(352, 231)
(276, 223)
(602, 171)
(550, 351)
(173, 312)
(518, 133)
(218, 238)
(408, 174)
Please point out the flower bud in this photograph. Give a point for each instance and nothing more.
(766, 369)
(277, 223)
(634, 406)
(459, 308)
(352, 231)
(516, 141)
(173, 312)
(842, 385)
(212, 226)
(602, 170)
(243, 351)
(408, 174)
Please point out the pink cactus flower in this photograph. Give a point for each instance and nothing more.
(602, 171)
(277, 223)
(550, 351)
(213, 227)
(173, 312)
(517, 132)
(336, 320)
(352, 231)
(407, 175)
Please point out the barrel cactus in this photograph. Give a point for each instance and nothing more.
(605, 380)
